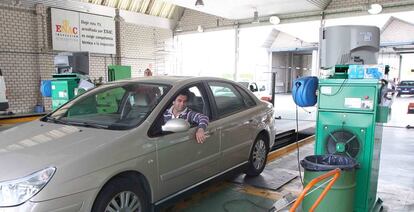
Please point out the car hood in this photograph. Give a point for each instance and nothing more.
(36, 145)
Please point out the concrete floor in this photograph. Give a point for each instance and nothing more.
(396, 176)
(399, 116)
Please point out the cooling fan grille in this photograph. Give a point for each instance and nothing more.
(343, 142)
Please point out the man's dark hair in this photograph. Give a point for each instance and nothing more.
(184, 93)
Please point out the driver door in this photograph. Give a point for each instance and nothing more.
(182, 161)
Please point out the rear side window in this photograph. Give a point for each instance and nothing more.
(228, 100)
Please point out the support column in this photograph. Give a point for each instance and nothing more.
(236, 52)
(118, 22)
(42, 48)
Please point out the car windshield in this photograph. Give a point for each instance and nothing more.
(407, 83)
(112, 106)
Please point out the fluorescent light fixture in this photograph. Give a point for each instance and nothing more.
(374, 9)
(274, 20)
(199, 3)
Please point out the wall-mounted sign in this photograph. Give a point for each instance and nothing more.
(74, 31)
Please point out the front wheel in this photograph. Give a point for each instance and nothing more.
(258, 157)
(121, 194)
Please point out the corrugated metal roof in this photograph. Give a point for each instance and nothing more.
(76, 5)
(158, 8)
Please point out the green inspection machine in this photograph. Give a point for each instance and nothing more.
(353, 105)
(63, 88)
(70, 69)
(108, 102)
(350, 122)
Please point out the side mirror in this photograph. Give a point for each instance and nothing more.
(176, 125)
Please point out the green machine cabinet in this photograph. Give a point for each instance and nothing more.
(63, 89)
(347, 124)
(117, 72)
(108, 102)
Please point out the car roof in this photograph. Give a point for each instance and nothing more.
(171, 80)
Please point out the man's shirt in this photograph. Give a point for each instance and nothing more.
(192, 117)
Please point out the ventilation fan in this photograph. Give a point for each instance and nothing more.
(343, 142)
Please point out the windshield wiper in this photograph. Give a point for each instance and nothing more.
(83, 124)
(55, 120)
(88, 124)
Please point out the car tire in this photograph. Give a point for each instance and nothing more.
(121, 194)
(258, 157)
(398, 94)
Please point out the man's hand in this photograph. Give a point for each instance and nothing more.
(200, 135)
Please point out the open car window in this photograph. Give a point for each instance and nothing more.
(197, 101)
(116, 107)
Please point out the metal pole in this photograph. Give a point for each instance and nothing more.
(273, 86)
(399, 68)
(318, 65)
(236, 52)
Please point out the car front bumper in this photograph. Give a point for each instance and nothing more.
(76, 202)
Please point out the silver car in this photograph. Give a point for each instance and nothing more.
(110, 150)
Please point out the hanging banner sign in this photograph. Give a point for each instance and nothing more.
(74, 31)
(65, 30)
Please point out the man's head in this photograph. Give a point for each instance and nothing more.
(147, 72)
(180, 102)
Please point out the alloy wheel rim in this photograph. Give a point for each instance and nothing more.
(125, 201)
(259, 154)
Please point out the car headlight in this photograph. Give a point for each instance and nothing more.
(16, 192)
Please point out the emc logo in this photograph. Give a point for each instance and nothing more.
(66, 28)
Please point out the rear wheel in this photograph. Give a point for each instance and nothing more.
(258, 157)
(121, 195)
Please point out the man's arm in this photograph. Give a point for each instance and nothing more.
(202, 121)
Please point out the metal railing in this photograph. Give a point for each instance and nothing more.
(336, 173)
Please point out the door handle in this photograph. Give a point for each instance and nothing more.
(248, 122)
(212, 131)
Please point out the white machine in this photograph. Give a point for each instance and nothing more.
(4, 104)
(344, 45)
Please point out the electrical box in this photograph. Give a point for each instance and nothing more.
(63, 89)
